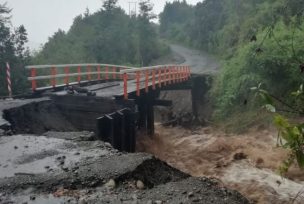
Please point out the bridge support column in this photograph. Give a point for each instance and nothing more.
(118, 129)
(194, 103)
(150, 114)
(142, 110)
(146, 112)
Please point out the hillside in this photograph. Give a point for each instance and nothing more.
(257, 41)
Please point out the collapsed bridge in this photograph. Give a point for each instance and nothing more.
(116, 102)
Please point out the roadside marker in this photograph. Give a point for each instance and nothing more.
(8, 77)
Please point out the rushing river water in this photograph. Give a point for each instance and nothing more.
(247, 162)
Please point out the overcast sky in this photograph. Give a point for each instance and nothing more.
(42, 18)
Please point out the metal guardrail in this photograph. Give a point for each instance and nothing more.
(75, 74)
(156, 75)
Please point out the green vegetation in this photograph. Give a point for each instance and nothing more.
(291, 134)
(107, 36)
(258, 41)
(12, 50)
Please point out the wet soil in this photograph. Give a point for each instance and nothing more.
(70, 168)
(73, 167)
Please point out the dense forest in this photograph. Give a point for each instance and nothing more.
(257, 41)
(108, 36)
(12, 50)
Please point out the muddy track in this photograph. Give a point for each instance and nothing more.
(200, 62)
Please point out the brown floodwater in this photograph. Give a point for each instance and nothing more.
(247, 163)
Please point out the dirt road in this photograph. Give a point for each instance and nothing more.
(200, 62)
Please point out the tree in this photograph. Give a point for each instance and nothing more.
(107, 36)
(12, 50)
(174, 18)
(109, 5)
(147, 35)
(4, 10)
(20, 39)
(87, 12)
(145, 10)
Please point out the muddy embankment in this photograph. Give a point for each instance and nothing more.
(42, 161)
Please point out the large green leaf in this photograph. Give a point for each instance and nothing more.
(281, 122)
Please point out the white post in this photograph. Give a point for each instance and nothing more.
(8, 78)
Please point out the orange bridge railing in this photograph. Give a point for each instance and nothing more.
(51, 76)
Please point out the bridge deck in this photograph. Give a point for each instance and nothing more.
(110, 89)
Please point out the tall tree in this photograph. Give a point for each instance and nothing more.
(12, 50)
(147, 34)
(4, 10)
(109, 5)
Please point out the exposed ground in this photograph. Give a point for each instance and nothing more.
(73, 168)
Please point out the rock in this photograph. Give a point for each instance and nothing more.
(149, 202)
(9, 132)
(15, 147)
(190, 194)
(259, 161)
(110, 184)
(196, 200)
(108, 145)
(158, 202)
(239, 156)
(140, 185)
(82, 201)
(2, 133)
(32, 198)
(134, 197)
